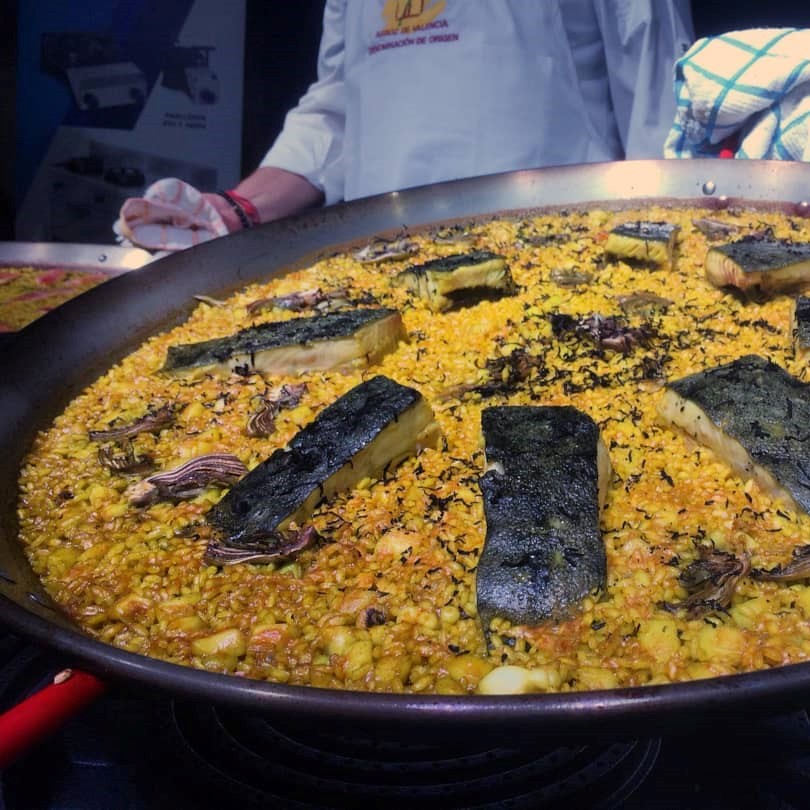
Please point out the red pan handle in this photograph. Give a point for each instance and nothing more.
(33, 720)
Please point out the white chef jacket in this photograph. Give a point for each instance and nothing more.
(411, 92)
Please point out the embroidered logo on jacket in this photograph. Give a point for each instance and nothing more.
(407, 15)
(412, 22)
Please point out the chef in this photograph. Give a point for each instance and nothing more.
(412, 92)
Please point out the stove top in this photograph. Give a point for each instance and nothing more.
(132, 750)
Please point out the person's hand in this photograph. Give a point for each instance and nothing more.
(172, 215)
(271, 193)
(237, 212)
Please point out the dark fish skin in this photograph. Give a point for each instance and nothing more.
(543, 551)
(758, 404)
(460, 278)
(643, 241)
(754, 255)
(449, 264)
(801, 323)
(293, 480)
(275, 335)
(754, 262)
(646, 230)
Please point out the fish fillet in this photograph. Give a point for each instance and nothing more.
(545, 484)
(647, 242)
(312, 343)
(450, 280)
(768, 265)
(367, 431)
(753, 415)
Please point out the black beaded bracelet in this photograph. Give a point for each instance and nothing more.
(240, 212)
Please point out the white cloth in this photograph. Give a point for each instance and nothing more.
(411, 92)
(752, 87)
(171, 215)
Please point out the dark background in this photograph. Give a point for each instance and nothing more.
(281, 46)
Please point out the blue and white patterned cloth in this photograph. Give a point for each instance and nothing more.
(750, 88)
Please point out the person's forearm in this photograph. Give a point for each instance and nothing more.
(274, 192)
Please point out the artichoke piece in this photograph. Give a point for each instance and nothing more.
(710, 582)
(796, 570)
(715, 228)
(460, 278)
(384, 250)
(643, 303)
(153, 421)
(189, 479)
(314, 299)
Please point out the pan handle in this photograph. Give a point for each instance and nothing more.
(36, 717)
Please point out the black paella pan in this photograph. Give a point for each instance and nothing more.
(52, 360)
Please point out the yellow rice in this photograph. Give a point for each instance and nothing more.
(407, 546)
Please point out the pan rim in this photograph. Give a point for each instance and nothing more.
(624, 183)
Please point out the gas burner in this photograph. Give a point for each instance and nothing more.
(275, 764)
(140, 750)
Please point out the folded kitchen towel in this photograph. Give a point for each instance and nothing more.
(748, 88)
(172, 215)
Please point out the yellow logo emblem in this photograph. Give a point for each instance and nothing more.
(406, 15)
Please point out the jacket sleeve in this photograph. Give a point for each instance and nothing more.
(643, 39)
(311, 141)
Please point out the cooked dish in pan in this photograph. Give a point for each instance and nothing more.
(559, 452)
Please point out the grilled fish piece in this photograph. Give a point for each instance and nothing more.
(333, 340)
(367, 431)
(753, 415)
(545, 484)
(463, 276)
(768, 265)
(643, 241)
(801, 326)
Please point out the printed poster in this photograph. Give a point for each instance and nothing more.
(116, 94)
